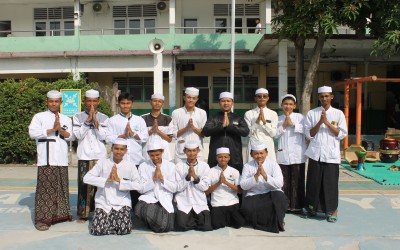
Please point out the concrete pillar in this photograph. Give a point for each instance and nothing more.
(172, 86)
(268, 17)
(283, 68)
(172, 16)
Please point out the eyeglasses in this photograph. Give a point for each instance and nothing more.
(262, 96)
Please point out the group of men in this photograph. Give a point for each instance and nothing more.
(182, 192)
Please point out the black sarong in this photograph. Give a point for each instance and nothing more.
(155, 216)
(322, 186)
(193, 221)
(227, 216)
(52, 195)
(265, 212)
(294, 185)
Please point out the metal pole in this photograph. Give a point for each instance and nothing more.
(232, 83)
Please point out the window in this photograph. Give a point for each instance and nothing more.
(190, 26)
(245, 87)
(140, 87)
(54, 21)
(135, 19)
(5, 28)
(246, 14)
(220, 23)
(273, 88)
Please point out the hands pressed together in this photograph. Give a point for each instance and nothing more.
(114, 175)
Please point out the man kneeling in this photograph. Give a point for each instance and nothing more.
(193, 212)
(265, 204)
(159, 177)
(224, 193)
(114, 178)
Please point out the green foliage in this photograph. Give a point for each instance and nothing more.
(19, 102)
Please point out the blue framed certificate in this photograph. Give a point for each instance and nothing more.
(71, 102)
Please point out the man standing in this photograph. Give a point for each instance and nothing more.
(325, 127)
(51, 130)
(263, 123)
(258, 26)
(89, 129)
(113, 177)
(191, 200)
(226, 130)
(159, 126)
(128, 126)
(188, 123)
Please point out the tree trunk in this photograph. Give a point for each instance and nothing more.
(299, 44)
(311, 72)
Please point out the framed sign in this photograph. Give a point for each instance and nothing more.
(71, 102)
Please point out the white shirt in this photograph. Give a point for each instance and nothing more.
(113, 195)
(291, 144)
(154, 137)
(117, 126)
(153, 192)
(260, 132)
(192, 196)
(90, 139)
(325, 146)
(180, 119)
(258, 28)
(58, 149)
(224, 195)
(274, 180)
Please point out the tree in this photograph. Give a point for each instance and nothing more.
(302, 20)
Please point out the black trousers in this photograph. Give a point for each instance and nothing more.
(322, 186)
(193, 221)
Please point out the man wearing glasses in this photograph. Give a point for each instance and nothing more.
(262, 123)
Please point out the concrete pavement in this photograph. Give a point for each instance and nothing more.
(369, 215)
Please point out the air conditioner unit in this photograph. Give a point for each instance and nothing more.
(100, 7)
(162, 5)
(338, 76)
(247, 69)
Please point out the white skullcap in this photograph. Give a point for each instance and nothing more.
(223, 151)
(261, 91)
(91, 93)
(191, 144)
(120, 141)
(290, 96)
(154, 145)
(258, 146)
(192, 91)
(324, 89)
(53, 94)
(157, 96)
(226, 95)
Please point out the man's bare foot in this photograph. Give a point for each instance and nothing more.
(81, 220)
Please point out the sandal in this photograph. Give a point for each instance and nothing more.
(307, 213)
(42, 226)
(81, 220)
(331, 218)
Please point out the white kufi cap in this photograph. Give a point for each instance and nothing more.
(290, 96)
(120, 141)
(157, 96)
(91, 93)
(324, 89)
(226, 95)
(191, 144)
(154, 145)
(192, 91)
(261, 91)
(258, 146)
(53, 94)
(223, 151)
